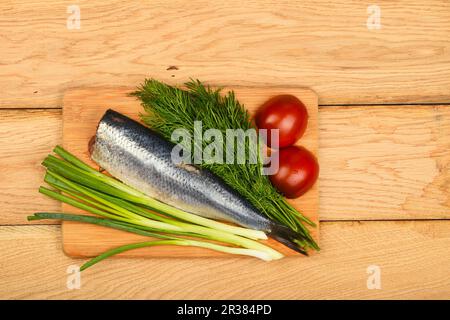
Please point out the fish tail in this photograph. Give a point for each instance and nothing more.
(287, 237)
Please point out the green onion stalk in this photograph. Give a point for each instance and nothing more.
(167, 240)
(116, 205)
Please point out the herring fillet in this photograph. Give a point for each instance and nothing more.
(142, 159)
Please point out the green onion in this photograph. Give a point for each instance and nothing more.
(75, 169)
(125, 215)
(193, 243)
(121, 207)
(128, 227)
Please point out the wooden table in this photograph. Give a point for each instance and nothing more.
(384, 136)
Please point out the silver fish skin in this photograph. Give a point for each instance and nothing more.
(141, 158)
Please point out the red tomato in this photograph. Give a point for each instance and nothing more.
(297, 173)
(286, 113)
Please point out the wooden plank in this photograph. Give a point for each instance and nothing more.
(83, 109)
(289, 43)
(384, 163)
(33, 266)
(26, 137)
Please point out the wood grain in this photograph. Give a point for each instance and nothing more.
(310, 43)
(377, 162)
(26, 137)
(390, 162)
(405, 252)
(83, 109)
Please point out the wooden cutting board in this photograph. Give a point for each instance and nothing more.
(82, 110)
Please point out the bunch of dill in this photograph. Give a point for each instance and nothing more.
(168, 108)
